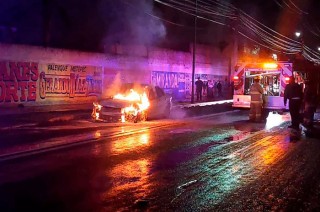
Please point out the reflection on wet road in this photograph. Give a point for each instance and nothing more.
(131, 143)
(223, 169)
(133, 175)
(213, 163)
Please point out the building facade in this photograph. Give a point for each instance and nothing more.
(41, 76)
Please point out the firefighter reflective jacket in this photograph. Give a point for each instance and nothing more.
(256, 92)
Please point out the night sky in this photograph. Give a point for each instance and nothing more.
(96, 24)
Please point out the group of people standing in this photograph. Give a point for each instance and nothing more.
(208, 88)
(298, 100)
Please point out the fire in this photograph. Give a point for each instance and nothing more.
(132, 96)
(96, 110)
(136, 111)
(140, 103)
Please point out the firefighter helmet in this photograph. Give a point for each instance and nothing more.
(257, 78)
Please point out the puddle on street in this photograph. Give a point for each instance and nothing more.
(134, 143)
(179, 131)
(131, 178)
(237, 137)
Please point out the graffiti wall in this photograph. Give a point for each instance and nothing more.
(172, 82)
(179, 84)
(32, 82)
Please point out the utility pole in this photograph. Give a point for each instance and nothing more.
(194, 53)
(235, 50)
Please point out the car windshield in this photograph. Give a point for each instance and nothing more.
(125, 88)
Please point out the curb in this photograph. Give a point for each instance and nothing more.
(5, 111)
(202, 104)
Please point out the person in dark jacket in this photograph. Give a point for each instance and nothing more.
(219, 88)
(310, 104)
(199, 85)
(293, 92)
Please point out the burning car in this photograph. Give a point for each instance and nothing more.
(133, 103)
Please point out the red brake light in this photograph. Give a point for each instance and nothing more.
(287, 79)
(235, 78)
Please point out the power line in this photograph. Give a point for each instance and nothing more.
(209, 10)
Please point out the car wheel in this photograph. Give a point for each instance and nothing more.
(145, 116)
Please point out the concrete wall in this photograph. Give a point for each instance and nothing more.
(38, 76)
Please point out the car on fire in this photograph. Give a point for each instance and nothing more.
(133, 103)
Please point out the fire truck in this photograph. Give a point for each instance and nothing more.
(273, 78)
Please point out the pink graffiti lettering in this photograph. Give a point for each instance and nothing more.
(18, 81)
(11, 91)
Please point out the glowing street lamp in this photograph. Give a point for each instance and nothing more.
(319, 49)
(275, 57)
(299, 36)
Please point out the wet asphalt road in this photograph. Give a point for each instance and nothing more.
(211, 163)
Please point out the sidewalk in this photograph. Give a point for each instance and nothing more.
(45, 108)
(54, 115)
(202, 104)
(88, 107)
(10, 117)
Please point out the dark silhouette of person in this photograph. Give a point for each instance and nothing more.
(199, 85)
(210, 89)
(232, 88)
(293, 92)
(205, 88)
(310, 103)
(219, 87)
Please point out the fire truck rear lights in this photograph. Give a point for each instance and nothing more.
(270, 65)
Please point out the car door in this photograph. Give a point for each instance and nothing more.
(152, 96)
(162, 101)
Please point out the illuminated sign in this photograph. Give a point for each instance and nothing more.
(270, 65)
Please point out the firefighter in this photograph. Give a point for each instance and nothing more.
(293, 92)
(256, 92)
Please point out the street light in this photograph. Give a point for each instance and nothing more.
(275, 57)
(319, 49)
(299, 36)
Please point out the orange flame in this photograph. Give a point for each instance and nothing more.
(96, 109)
(140, 103)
